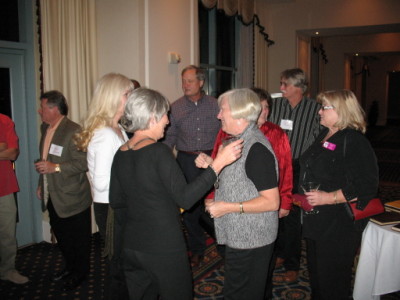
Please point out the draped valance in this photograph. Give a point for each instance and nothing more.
(244, 8)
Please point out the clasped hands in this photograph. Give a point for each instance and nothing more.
(227, 154)
(216, 209)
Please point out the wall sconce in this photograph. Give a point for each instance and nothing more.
(174, 58)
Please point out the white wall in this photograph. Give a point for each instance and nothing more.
(135, 36)
(118, 37)
(283, 18)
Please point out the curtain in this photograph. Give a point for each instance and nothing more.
(69, 59)
(245, 61)
(260, 61)
(253, 51)
(244, 8)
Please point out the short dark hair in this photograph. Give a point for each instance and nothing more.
(263, 95)
(200, 73)
(56, 98)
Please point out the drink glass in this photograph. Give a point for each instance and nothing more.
(309, 186)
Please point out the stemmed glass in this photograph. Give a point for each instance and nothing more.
(309, 186)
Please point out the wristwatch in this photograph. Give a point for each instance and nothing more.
(57, 168)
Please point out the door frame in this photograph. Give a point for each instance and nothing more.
(29, 226)
(21, 58)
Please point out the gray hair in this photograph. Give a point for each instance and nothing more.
(200, 74)
(243, 103)
(141, 106)
(296, 77)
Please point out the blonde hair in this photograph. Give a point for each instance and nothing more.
(350, 113)
(243, 103)
(104, 105)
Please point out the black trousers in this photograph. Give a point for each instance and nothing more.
(289, 239)
(149, 275)
(330, 263)
(246, 272)
(101, 214)
(193, 217)
(117, 283)
(73, 236)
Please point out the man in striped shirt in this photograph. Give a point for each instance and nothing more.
(298, 116)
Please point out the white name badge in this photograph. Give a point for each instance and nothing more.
(56, 150)
(286, 124)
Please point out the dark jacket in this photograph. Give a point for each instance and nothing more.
(70, 189)
(351, 166)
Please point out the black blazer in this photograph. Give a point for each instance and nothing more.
(351, 166)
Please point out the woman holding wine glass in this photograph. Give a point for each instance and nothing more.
(341, 161)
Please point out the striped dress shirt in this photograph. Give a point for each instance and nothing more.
(305, 118)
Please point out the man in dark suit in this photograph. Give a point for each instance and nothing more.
(64, 188)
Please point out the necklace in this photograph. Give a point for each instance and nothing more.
(138, 142)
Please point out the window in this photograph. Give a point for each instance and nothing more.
(9, 27)
(218, 36)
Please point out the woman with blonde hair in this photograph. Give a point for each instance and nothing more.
(101, 136)
(342, 162)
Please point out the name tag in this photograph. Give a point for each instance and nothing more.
(56, 150)
(286, 124)
(329, 146)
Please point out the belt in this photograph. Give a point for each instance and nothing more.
(196, 152)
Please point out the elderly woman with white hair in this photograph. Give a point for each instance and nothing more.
(246, 203)
(147, 189)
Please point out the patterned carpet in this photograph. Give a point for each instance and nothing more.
(40, 261)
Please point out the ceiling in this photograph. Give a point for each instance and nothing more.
(357, 30)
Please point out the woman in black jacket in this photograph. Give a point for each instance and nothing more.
(343, 163)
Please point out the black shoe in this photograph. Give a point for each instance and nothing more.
(73, 282)
(61, 275)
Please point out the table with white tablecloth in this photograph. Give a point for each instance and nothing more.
(378, 270)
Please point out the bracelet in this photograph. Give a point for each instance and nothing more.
(216, 184)
(241, 211)
(335, 197)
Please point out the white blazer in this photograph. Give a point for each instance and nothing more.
(100, 154)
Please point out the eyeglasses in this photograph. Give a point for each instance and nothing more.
(327, 107)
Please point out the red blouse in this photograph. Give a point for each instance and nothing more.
(280, 144)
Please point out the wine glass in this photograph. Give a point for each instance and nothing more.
(309, 186)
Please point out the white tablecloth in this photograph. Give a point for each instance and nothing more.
(378, 270)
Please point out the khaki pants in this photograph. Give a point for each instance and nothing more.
(8, 242)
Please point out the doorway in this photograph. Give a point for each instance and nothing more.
(393, 110)
(14, 102)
